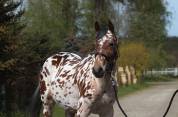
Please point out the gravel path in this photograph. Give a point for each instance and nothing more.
(151, 102)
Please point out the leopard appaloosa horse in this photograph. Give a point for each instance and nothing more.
(81, 85)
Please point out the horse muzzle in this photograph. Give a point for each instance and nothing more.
(98, 72)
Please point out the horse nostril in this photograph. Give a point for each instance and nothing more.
(111, 44)
(100, 70)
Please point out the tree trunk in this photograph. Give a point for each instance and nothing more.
(10, 97)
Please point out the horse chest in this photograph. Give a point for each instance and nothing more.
(106, 99)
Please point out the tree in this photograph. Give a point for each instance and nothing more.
(159, 58)
(134, 54)
(49, 26)
(147, 24)
(51, 22)
(91, 11)
(8, 23)
(10, 29)
(148, 19)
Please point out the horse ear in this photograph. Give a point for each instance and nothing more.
(111, 27)
(97, 26)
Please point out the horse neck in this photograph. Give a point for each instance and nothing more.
(103, 84)
(106, 82)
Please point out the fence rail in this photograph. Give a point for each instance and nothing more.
(166, 71)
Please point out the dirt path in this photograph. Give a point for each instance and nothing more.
(151, 102)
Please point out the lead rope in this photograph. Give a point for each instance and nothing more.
(114, 85)
(123, 112)
(170, 103)
(117, 100)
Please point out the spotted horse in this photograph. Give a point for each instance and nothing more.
(81, 86)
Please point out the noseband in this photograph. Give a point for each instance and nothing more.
(101, 54)
(110, 60)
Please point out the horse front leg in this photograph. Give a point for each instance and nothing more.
(48, 103)
(107, 111)
(84, 107)
(69, 113)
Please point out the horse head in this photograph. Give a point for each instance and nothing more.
(105, 49)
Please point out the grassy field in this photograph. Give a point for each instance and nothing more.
(125, 90)
(159, 78)
(58, 112)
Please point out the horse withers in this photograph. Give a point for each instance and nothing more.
(81, 86)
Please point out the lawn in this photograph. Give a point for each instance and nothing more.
(58, 112)
(125, 90)
(165, 78)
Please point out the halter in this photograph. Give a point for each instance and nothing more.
(97, 53)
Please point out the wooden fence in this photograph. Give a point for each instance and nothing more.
(126, 75)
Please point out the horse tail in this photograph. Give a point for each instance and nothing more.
(36, 104)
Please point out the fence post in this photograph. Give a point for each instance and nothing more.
(176, 72)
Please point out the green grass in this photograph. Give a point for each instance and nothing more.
(159, 78)
(125, 90)
(13, 114)
(58, 112)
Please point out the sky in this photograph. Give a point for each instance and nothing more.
(172, 27)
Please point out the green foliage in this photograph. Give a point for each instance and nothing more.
(88, 13)
(13, 114)
(158, 78)
(158, 58)
(148, 28)
(147, 24)
(171, 47)
(148, 21)
(10, 28)
(56, 25)
(86, 19)
(134, 54)
(46, 23)
(9, 32)
(7, 8)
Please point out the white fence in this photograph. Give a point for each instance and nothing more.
(166, 71)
